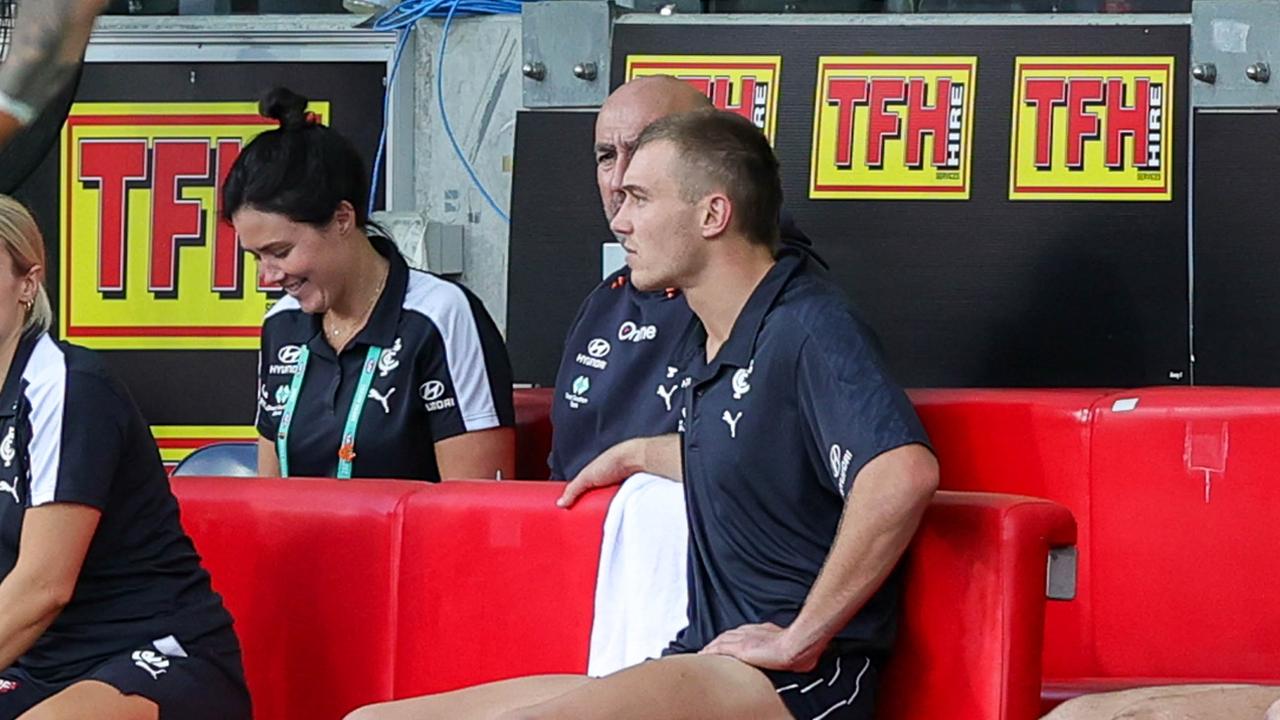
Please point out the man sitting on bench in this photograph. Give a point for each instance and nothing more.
(805, 469)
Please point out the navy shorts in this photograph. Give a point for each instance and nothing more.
(841, 687)
(187, 683)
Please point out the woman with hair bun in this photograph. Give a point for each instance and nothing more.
(105, 611)
(368, 368)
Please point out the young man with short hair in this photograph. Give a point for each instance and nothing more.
(805, 469)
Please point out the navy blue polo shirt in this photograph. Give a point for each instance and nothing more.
(776, 428)
(615, 380)
(70, 433)
(443, 371)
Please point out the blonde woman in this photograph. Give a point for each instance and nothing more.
(105, 611)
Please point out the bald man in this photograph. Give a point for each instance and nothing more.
(614, 381)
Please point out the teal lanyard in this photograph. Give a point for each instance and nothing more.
(347, 450)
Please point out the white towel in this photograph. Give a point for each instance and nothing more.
(641, 590)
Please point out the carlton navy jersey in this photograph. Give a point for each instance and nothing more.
(70, 433)
(775, 430)
(441, 370)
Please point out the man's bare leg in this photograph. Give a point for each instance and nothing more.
(481, 702)
(1173, 702)
(91, 698)
(683, 687)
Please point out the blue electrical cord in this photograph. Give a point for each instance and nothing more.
(402, 18)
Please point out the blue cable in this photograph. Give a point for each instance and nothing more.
(401, 43)
(402, 19)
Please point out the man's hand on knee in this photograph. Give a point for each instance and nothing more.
(764, 646)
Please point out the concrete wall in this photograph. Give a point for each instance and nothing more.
(481, 96)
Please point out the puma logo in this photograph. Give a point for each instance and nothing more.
(665, 394)
(732, 422)
(11, 488)
(382, 399)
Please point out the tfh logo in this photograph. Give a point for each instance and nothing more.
(892, 128)
(1138, 116)
(870, 100)
(1097, 128)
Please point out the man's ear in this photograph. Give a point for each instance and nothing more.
(717, 215)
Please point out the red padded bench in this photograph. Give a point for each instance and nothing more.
(970, 642)
(347, 593)
(1027, 442)
(1170, 588)
(309, 570)
(1183, 514)
(498, 582)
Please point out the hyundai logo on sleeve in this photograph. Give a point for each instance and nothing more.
(287, 360)
(432, 392)
(597, 348)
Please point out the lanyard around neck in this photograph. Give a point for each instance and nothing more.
(347, 450)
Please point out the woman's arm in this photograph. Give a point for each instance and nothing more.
(55, 539)
(268, 461)
(479, 454)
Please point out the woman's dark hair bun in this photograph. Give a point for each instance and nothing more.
(303, 170)
(286, 106)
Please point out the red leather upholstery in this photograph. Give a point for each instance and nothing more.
(1025, 442)
(347, 593)
(969, 644)
(1171, 587)
(1185, 492)
(497, 582)
(308, 569)
(533, 432)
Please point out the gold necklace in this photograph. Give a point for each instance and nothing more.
(338, 332)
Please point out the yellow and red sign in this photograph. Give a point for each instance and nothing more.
(178, 441)
(744, 84)
(146, 263)
(892, 128)
(1092, 128)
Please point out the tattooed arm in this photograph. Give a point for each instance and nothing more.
(49, 38)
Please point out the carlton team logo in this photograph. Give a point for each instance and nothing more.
(891, 128)
(1092, 128)
(743, 84)
(146, 263)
